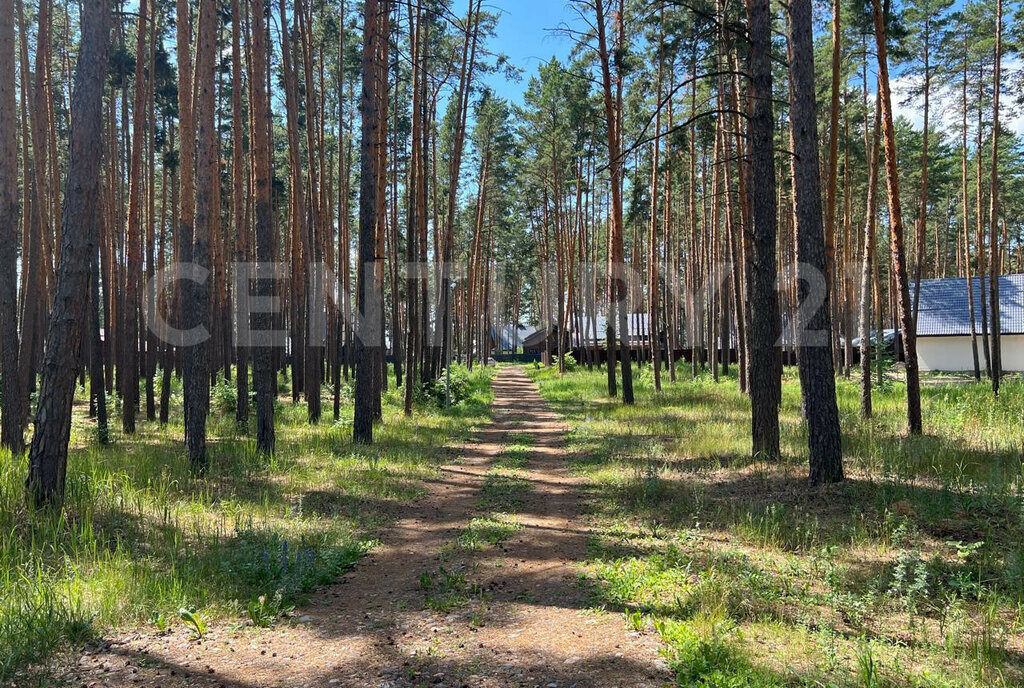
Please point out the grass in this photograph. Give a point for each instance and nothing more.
(143, 541)
(911, 573)
(486, 531)
(502, 495)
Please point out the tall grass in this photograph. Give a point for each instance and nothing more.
(140, 537)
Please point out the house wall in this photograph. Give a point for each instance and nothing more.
(953, 354)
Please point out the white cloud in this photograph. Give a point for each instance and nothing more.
(946, 101)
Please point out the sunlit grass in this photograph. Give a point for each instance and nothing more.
(909, 574)
(140, 537)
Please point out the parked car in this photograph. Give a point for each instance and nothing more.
(891, 339)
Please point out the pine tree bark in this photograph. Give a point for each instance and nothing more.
(966, 211)
(870, 256)
(186, 165)
(197, 367)
(373, 102)
(238, 224)
(833, 155)
(11, 435)
(995, 252)
(263, 371)
(312, 221)
(899, 252)
(97, 389)
(130, 393)
(817, 369)
(920, 239)
(762, 271)
(617, 255)
(80, 223)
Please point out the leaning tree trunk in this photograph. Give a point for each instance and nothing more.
(80, 223)
(965, 203)
(762, 271)
(817, 369)
(899, 251)
(11, 435)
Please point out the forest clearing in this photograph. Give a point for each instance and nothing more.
(398, 343)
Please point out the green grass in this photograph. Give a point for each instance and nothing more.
(911, 573)
(140, 538)
(487, 530)
(446, 590)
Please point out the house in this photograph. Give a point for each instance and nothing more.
(584, 343)
(944, 323)
(546, 339)
(509, 338)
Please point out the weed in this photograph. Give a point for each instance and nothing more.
(195, 621)
(447, 590)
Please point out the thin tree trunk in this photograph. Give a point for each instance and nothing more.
(870, 253)
(995, 252)
(238, 224)
(130, 393)
(617, 275)
(197, 368)
(263, 371)
(967, 227)
(11, 435)
(899, 254)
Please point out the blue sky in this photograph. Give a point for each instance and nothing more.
(525, 35)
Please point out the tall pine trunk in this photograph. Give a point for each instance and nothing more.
(263, 369)
(870, 256)
(899, 252)
(80, 225)
(11, 435)
(995, 252)
(817, 370)
(374, 102)
(133, 274)
(617, 276)
(197, 367)
(762, 270)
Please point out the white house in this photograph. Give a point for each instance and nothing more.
(944, 323)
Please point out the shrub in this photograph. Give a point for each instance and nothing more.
(225, 397)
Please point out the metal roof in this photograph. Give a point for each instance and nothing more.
(944, 309)
(511, 337)
(639, 325)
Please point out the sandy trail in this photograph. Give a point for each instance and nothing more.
(528, 626)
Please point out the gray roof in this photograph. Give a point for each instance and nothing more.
(638, 330)
(944, 309)
(638, 325)
(511, 337)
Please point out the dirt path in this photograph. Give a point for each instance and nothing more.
(524, 620)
